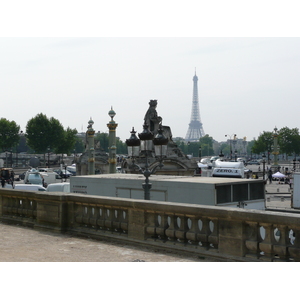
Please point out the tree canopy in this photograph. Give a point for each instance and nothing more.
(9, 134)
(289, 140)
(68, 142)
(45, 134)
(264, 143)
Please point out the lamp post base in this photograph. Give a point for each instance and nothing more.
(147, 187)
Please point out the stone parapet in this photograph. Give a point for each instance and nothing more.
(227, 233)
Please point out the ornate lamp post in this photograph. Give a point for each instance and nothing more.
(235, 155)
(145, 144)
(112, 125)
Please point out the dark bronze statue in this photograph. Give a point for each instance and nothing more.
(151, 118)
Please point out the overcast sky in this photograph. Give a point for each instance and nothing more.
(246, 85)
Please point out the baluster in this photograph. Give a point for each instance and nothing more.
(116, 219)
(267, 244)
(25, 208)
(193, 232)
(86, 215)
(93, 216)
(252, 240)
(124, 221)
(204, 233)
(170, 231)
(152, 224)
(30, 212)
(33, 204)
(108, 215)
(79, 214)
(180, 233)
(14, 207)
(280, 248)
(100, 219)
(19, 207)
(213, 237)
(8, 206)
(162, 226)
(294, 250)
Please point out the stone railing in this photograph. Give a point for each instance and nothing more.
(208, 231)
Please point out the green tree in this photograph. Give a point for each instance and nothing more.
(79, 145)
(288, 140)
(206, 143)
(263, 143)
(225, 148)
(121, 146)
(43, 133)
(67, 144)
(9, 134)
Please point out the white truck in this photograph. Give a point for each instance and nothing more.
(232, 192)
(228, 169)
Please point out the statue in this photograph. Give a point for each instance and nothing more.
(151, 118)
(175, 162)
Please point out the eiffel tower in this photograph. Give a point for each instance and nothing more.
(195, 131)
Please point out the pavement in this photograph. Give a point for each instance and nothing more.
(21, 244)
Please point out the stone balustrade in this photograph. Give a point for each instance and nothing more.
(209, 231)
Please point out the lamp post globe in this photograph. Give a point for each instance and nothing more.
(133, 144)
(160, 143)
(146, 137)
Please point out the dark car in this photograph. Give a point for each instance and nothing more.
(253, 162)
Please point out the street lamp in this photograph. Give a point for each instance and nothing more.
(11, 158)
(133, 145)
(200, 153)
(264, 163)
(221, 155)
(48, 156)
(145, 144)
(275, 150)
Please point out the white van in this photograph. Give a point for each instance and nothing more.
(33, 177)
(63, 187)
(49, 176)
(30, 187)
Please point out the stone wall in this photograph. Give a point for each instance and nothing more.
(226, 233)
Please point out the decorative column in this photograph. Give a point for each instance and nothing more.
(90, 148)
(112, 125)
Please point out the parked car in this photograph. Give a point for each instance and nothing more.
(253, 162)
(63, 173)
